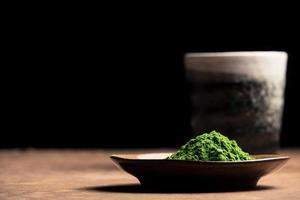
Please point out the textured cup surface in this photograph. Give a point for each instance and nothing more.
(240, 94)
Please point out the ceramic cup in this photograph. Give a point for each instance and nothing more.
(240, 94)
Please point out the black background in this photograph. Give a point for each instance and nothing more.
(117, 79)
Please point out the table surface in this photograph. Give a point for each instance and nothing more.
(90, 174)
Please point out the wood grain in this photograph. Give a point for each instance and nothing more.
(90, 174)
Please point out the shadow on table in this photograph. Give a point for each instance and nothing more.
(137, 188)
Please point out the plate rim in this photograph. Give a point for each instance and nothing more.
(124, 157)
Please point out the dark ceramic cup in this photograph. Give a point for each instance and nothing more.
(240, 94)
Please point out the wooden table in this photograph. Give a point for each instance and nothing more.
(90, 174)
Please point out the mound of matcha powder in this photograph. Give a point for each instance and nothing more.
(210, 146)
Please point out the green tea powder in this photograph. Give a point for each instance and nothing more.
(211, 146)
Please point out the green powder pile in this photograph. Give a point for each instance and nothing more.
(211, 146)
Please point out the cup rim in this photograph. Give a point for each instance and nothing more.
(236, 54)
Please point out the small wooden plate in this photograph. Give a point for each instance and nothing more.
(155, 171)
